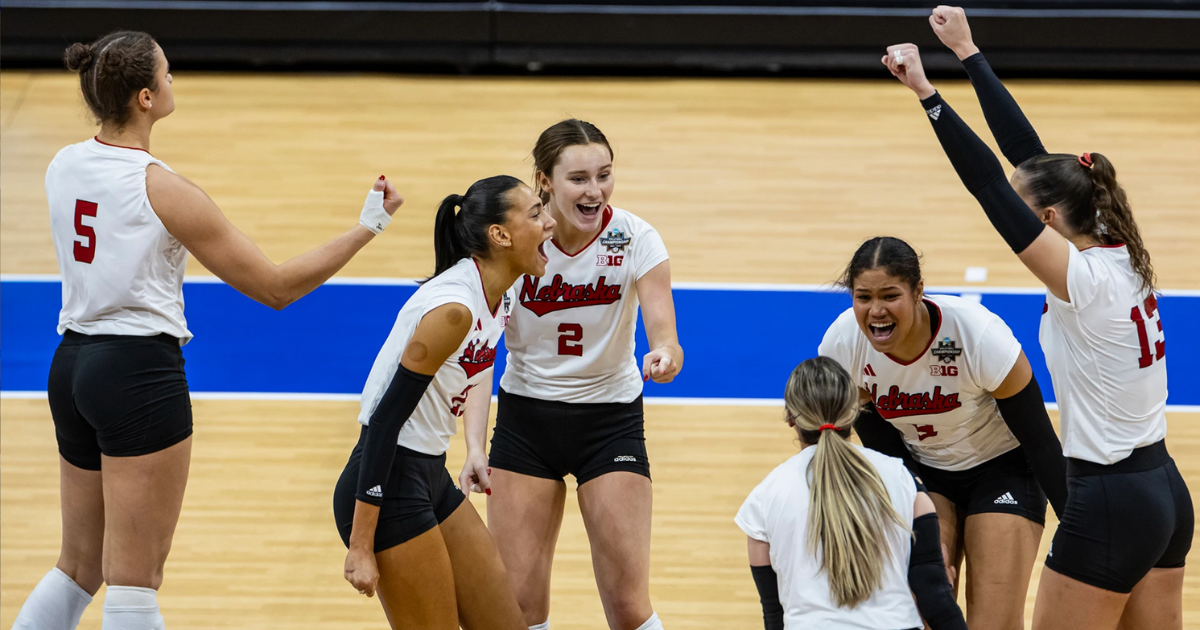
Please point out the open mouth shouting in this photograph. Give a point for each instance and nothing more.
(588, 210)
(881, 331)
(542, 251)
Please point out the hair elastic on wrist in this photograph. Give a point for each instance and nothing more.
(1086, 160)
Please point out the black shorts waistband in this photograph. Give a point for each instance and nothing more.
(400, 450)
(73, 338)
(1140, 460)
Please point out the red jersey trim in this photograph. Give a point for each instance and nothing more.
(603, 224)
(1103, 247)
(481, 285)
(117, 146)
(941, 320)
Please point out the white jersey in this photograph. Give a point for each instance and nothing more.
(122, 272)
(1107, 357)
(941, 401)
(776, 512)
(571, 339)
(434, 421)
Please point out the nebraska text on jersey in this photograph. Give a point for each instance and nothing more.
(897, 404)
(559, 295)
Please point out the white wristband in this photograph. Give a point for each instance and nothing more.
(373, 216)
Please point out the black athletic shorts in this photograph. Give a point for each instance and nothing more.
(118, 395)
(1003, 484)
(550, 439)
(418, 496)
(1122, 520)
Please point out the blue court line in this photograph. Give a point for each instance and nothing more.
(741, 341)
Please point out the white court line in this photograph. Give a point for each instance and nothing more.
(685, 286)
(649, 400)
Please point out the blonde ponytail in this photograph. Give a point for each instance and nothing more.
(849, 507)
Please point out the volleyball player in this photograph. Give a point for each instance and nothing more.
(570, 399)
(410, 534)
(842, 537)
(123, 224)
(958, 397)
(1119, 552)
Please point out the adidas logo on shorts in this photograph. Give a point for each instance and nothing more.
(1006, 499)
(625, 458)
(377, 491)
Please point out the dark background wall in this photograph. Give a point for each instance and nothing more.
(1063, 38)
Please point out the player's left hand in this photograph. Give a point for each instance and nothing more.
(475, 475)
(904, 62)
(661, 365)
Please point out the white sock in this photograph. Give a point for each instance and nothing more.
(545, 625)
(131, 608)
(652, 623)
(56, 603)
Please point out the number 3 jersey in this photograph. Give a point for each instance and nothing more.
(435, 419)
(122, 272)
(571, 337)
(1107, 357)
(941, 401)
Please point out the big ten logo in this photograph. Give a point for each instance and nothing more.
(943, 370)
(458, 404)
(605, 260)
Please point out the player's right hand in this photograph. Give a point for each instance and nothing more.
(950, 25)
(391, 199)
(951, 572)
(904, 62)
(361, 571)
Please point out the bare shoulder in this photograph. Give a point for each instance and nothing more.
(168, 186)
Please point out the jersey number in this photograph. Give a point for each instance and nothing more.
(85, 253)
(1160, 348)
(570, 333)
(924, 431)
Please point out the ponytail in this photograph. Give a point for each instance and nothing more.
(849, 506)
(1084, 189)
(465, 233)
(1115, 218)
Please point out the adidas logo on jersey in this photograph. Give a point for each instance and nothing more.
(377, 491)
(625, 458)
(934, 111)
(1005, 499)
(867, 371)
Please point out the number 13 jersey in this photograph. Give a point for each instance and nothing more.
(571, 336)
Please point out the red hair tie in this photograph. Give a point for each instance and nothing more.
(827, 426)
(1086, 160)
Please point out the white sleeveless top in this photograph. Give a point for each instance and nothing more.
(1107, 357)
(435, 419)
(122, 272)
(776, 512)
(571, 338)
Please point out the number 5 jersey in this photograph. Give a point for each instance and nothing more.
(571, 336)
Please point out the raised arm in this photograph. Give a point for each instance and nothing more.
(1017, 139)
(193, 218)
(438, 335)
(1042, 250)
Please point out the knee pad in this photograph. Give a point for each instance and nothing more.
(131, 608)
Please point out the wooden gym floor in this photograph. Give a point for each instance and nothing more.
(748, 181)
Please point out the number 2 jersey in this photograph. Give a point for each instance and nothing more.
(435, 420)
(940, 401)
(1107, 357)
(571, 337)
(122, 272)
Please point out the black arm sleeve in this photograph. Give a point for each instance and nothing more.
(981, 173)
(398, 403)
(878, 434)
(1025, 414)
(927, 577)
(768, 595)
(1016, 137)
